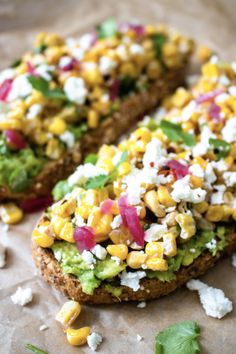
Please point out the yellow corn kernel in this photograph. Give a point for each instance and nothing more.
(210, 70)
(93, 119)
(187, 224)
(200, 161)
(77, 337)
(11, 124)
(143, 134)
(120, 251)
(35, 97)
(204, 53)
(229, 161)
(65, 209)
(136, 259)
(157, 264)
(186, 126)
(129, 69)
(67, 232)
(154, 248)
(124, 168)
(106, 151)
(181, 97)
(101, 223)
(169, 50)
(164, 196)
(196, 182)
(152, 202)
(201, 207)
(92, 76)
(57, 223)
(233, 150)
(106, 164)
(57, 126)
(53, 149)
(52, 39)
(154, 70)
(53, 54)
(17, 113)
(83, 210)
(150, 29)
(228, 211)
(120, 236)
(142, 212)
(68, 313)
(40, 137)
(138, 146)
(42, 236)
(215, 213)
(10, 213)
(169, 244)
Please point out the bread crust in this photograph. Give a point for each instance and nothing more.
(150, 289)
(131, 110)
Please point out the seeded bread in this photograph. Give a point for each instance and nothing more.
(149, 288)
(131, 110)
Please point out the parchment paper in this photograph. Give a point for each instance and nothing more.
(210, 22)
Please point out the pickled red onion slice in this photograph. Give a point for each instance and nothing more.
(84, 238)
(179, 170)
(106, 206)
(15, 138)
(32, 205)
(209, 96)
(214, 112)
(5, 89)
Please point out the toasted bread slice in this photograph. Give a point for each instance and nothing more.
(149, 289)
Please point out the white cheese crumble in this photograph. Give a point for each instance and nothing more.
(189, 110)
(88, 258)
(211, 245)
(106, 65)
(202, 147)
(2, 256)
(83, 172)
(234, 260)
(197, 170)
(210, 176)
(229, 130)
(230, 178)
(218, 197)
(99, 251)
(155, 232)
(121, 51)
(43, 327)
(232, 91)
(45, 71)
(86, 41)
(94, 340)
(183, 192)
(213, 300)
(22, 296)
(139, 338)
(154, 154)
(64, 61)
(142, 305)
(136, 49)
(68, 138)
(7, 74)
(116, 259)
(75, 90)
(131, 279)
(220, 165)
(117, 221)
(21, 88)
(34, 111)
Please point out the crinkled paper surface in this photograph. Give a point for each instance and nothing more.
(210, 22)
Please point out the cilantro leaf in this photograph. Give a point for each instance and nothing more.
(61, 189)
(220, 147)
(40, 49)
(16, 63)
(79, 131)
(158, 40)
(150, 124)
(175, 133)
(91, 158)
(107, 29)
(34, 349)
(42, 85)
(180, 338)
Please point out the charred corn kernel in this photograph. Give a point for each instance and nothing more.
(68, 313)
(200, 161)
(201, 207)
(42, 235)
(120, 236)
(156, 264)
(92, 76)
(164, 197)
(143, 134)
(65, 209)
(58, 223)
(210, 70)
(181, 97)
(215, 213)
(67, 232)
(196, 182)
(228, 211)
(120, 251)
(10, 213)
(154, 249)
(154, 70)
(136, 259)
(169, 244)
(124, 168)
(187, 224)
(53, 149)
(77, 336)
(204, 53)
(101, 223)
(229, 161)
(93, 119)
(152, 202)
(129, 69)
(57, 126)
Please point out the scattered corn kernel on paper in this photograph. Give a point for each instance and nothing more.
(121, 325)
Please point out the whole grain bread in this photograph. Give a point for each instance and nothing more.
(109, 130)
(70, 286)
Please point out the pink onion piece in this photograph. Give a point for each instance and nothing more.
(5, 89)
(137, 28)
(114, 90)
(70, 66)
(214, 112)
(179, 170)
(106, 206)
(30, 68)
(94, 38)
(32, 205)
(15, 138)
(84, 238)
(210, 96)
(131, 220)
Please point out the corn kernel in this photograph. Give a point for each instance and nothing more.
(93, 119)
(136, 259)
(10, 213)
(169, 244)
(101, 223)
(129, 69)
(67, 232)
(215, 213)
(201, 207)
(106, 164)
(65, 209)
(57, 223)
(54, 149)
(204, 53)
(77, 337)
(187, 224)
(196, 182)
(181, 97)
(200, 161)
(228, 211)
(120, 236)
(152, 202)
(164, 197)
(57, 126)
(154, 248)
(143, 134)
(157, 264)
(154, 70)
(106, 151)
(210, 70)
(120, 251)
(229, 161)
(92, 76)
(42, 236)
(124, 168)
(68, 313)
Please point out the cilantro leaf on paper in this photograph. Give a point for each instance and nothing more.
(107, 29)
(175, 133)
(34, 349)
(180, 338)
(220, 147)
(42, 85)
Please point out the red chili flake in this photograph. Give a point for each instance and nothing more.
(152, 164)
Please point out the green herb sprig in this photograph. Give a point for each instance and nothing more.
(42, 85)
(175, 133)
(220, 147)
(107, 29)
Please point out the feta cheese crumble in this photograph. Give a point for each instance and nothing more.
(139, 338)
(117, 221)
(75, 90)
(34, 111)
(68, 138)
(230, 178)
(83, 172)
(229, 130)
(218, 196)
(94, 340)
(22, 296)
(213, 300)
(99, 251)
(43, 327)
(183, 192)
(131, 279)
(88, 258)
(106, 65)
(155, 232)
(21, 88)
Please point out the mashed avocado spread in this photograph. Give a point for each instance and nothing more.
(90, 278)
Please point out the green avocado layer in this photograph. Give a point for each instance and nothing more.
(107, 270)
